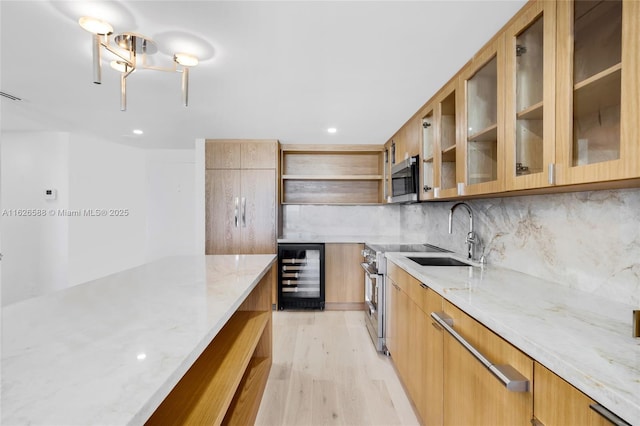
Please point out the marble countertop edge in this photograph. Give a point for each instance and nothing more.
(156, 399)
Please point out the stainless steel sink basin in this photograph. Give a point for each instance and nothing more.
(437, 261)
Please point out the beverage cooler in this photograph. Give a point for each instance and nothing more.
(301, 276)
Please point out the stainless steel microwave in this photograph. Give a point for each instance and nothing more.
(404, 181)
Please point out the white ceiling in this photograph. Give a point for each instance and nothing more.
(285, 70)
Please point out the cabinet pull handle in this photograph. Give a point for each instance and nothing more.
(608, 415)
(552, 173)
(509, 376)
(235, 212)
(244, 212)
(423, 285)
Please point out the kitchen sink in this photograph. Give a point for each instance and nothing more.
(438, 261)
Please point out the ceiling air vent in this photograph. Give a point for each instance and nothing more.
(9, 96)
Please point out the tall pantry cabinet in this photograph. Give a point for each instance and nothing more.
(241, 196)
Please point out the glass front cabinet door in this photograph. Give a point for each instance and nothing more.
(429, 150)
(530, 97)
(483, 83)
(440, 119)
(598, 91)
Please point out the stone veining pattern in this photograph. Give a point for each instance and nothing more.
(585, 240)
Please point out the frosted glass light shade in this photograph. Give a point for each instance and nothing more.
(95, 26)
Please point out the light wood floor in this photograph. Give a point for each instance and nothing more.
(326, 371)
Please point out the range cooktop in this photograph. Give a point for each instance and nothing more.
(424, 248)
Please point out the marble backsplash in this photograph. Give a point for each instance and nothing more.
(585, 240)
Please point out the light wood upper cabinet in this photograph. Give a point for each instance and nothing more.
(429, 158)
(598, 91)
(483, 120)
(557, 403)
(241, 154)
(441, 170)
(530, 56)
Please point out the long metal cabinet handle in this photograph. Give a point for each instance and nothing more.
(509, 376)
(608, 415)
(244, 212)
(235, 212)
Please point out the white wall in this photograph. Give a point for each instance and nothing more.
(155, 188)
(171, 203)
(34, 247)
(105, 175)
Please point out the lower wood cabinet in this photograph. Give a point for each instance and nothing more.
(557, 403)
(450, 385)
(446, 383)
(344, 277)
(473, 395)
(415, 344)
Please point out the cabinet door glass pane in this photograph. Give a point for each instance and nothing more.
(428, 140)
(529, 95)
(482, 111)
(448, 142)
(300, 273)
(597, 75)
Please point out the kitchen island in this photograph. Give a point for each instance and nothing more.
(110, 351)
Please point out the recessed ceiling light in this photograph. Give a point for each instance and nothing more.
(332, 130)
(137, 132)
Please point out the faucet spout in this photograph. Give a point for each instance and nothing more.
(471, 239)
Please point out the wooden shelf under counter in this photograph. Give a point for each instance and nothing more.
(225, 384)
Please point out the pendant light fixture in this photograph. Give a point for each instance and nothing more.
(131, 49)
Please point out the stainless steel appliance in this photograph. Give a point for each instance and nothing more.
(405, 181)
(375, 268)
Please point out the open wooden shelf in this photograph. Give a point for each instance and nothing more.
(332, 174)
(533, 112)
(598, 92)
(485, 135)
(245, 405)
(206, 391)
(449, 154)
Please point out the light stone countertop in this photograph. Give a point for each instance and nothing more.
(109, 351)
(584, 339)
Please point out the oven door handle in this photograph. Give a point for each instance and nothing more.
(369, 270)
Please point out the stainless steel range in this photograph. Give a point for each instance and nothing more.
(375, 268)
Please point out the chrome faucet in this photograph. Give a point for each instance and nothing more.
(472, 239)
